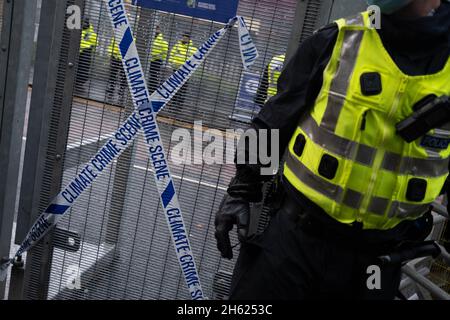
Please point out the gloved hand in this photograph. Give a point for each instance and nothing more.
(232, 211)
(248, 191)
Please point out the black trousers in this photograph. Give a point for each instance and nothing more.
(84, 66)
(116, 75)
(154, 75)
(291, 260)
(178, 101)
(180, 96)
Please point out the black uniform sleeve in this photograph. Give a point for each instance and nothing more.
(298, 86)
(261, 93)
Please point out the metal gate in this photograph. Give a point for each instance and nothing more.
(1, 16)
(114, 243)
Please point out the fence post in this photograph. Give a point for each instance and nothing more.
(48, 126)
(15, 61)
(305, 22)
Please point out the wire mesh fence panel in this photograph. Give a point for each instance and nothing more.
(36, 30)
(440, 272)
(115, 243)
(1, 15)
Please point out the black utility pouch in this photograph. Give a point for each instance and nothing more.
(429, 113)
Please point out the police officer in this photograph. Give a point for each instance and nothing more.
(180, 52)
(158, 56)
(268, 84)
(116, 72)
(87, 46)
(274, 72)
(353, 189)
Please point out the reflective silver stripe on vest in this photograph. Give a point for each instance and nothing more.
(365, 154)
(330, 190)
(441, 133)
(415, 166)
(356, 20)
(313, 181)
(341, 80)
(403, 210)
(378, 205)
(338, 145)
(432, 154)
(352, 199)
(398, 209)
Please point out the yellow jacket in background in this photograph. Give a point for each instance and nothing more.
(88, 38)
(275, 67)
(180, 53)
(113, 49)
(160, 48)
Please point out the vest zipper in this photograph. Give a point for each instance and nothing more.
(363, 121)
(380, 153)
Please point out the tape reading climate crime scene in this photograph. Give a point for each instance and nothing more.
(144, 117)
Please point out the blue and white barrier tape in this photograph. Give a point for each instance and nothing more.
(143, 118)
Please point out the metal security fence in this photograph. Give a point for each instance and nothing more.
(439, 271)
(114, 243)
(211, 94)
(16, 53)
(1, 15)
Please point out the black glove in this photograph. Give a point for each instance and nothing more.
(248, 191)
(232, 211)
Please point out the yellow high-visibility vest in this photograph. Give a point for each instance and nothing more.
(274, 70)
(88, 38)
(160, 48)
(345, 154)
(180, 53)
(113, 49)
